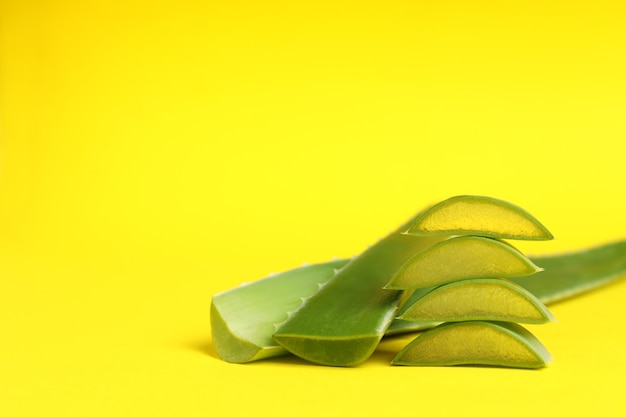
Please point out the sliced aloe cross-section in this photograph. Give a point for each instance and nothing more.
(479, 215)
(475, 343)
(461, 258)
(478, 299)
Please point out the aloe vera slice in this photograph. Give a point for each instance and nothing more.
(461, 258)
(475, 343)
(478, 215)
(478, 299)
(343, 323)
(243, 319)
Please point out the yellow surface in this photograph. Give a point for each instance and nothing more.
(154, 153)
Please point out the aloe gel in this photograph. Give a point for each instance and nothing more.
(475, 343)
(461, 258)
(479, 215)
(478, 299)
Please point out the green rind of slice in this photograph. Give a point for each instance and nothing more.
(475, 343)
(478, 299)
(478, 215)
(460, 258)
(331, 351)
(243, 319)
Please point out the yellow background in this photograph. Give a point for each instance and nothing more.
(154, 153)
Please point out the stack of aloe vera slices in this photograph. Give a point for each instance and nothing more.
(335, 313)
(463, 282)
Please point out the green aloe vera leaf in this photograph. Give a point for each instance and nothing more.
(479, 299)
(475, 343)
(343, 323)
(478, 215)
(564, 276)
(243, 319)
(460, 258)
(570, 274)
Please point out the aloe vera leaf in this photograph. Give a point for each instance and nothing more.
(479, 215)
(342, 324)
(570, 274)
(460, 258)
(479, 299)
(475, 343)
(243, 319)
